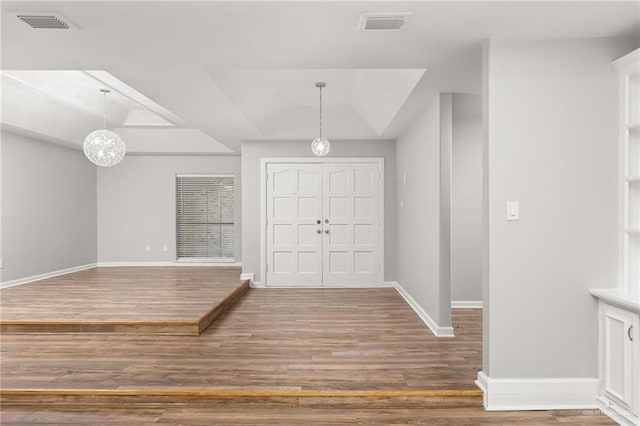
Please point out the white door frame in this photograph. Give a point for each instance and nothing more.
(316, 160)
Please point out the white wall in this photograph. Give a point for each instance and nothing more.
(48, 207)
(253, 152)
(550, 118)
(466, 199)
(137, 205)
(421, 258)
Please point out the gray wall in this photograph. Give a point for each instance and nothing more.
(137, 205)
(551, 145)
(253, 152)
(466, 201)
(48, 207)
(419, 192)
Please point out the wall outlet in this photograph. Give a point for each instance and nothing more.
(165, 247)
(147, 248)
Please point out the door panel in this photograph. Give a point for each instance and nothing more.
(294, 204)
(351, 205)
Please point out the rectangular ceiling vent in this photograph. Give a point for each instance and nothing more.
(385, 21)
(47, 21)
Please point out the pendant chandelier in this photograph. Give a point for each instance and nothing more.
(320, 146)
(103, 147)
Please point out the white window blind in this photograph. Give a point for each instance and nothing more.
(205, 217)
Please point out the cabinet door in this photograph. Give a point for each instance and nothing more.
(619, 369)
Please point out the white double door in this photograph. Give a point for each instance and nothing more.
(323, 224)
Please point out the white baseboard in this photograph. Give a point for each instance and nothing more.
(436, 329)
(259, 284)
(169, 263)
(466, 304)
(538, 394)
(248, 276)
(617, 413)
(46, 275)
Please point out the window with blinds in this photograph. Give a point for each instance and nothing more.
(205, 217)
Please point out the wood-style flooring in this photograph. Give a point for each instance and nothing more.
(165, 300)
(275, 339)
(299, 416)
(277, 356)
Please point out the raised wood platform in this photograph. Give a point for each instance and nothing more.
(274, 347)
(147, 300)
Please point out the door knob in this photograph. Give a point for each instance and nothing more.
(318, 231)
(326, 221)
(318, 221)
(326, 231)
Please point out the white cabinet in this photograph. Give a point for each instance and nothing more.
(619, 307)
(619, 363)
(629, 197)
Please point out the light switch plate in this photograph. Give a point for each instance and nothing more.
(513, 210)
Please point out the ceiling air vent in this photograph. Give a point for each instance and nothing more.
(385, 21)
(48, 21)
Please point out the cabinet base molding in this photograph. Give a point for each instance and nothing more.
(537, 394)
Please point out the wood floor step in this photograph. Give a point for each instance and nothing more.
(224, 397)
(161, 327)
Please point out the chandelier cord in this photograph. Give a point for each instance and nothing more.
(320, 111)
(104, 118)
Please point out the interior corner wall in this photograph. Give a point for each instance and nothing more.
(254, 151)
(137, 205)
(466, 200)
(551, 144)
(48, 207)
(419, 204)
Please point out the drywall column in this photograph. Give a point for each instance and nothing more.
(423, 209)
(550, 144)
(1, 258)
(446, 163)
(466, 202)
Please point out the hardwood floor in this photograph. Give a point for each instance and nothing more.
(166, 300)
(277, 356)
(275, 339)
(298, 416)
